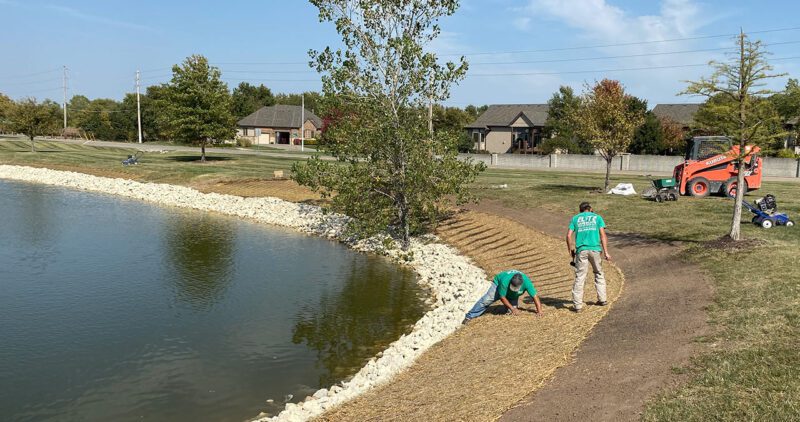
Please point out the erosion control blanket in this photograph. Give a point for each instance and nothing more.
(623, 189)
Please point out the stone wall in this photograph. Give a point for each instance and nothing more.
(650, 164)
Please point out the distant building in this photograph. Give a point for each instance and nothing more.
(509, 128)
(279, 124)
(679, 113)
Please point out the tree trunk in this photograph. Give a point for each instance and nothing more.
(608, 173)
(402, 211)
(203, 152)
(736, 223)
(33, 145)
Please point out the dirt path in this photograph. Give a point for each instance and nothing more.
(629, 355)
(485, 368)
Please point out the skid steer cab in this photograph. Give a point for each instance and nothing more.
(711, 167)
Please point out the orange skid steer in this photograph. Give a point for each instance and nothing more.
(711, 167)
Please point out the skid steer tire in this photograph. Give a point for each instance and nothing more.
(699, 187)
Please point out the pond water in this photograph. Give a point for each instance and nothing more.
(112, 309)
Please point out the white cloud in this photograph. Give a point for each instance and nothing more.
(598, 22)
(77, 14)
(522, 23)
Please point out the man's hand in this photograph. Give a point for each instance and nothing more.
(608, 257)
(514, 311)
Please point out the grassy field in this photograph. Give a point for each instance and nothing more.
(172, 167)
(751, 371)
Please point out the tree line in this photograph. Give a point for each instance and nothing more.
(656, 135)
(112, 120)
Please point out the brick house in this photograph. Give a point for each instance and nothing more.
(279, 124)
(509, 128)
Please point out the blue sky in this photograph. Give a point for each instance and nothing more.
(266, 41)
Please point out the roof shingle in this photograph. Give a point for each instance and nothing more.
(281, 116)
(505, 114)
(680, 113)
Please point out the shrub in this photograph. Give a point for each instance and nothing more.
(786, 153)
(553, 145)
(244, 142)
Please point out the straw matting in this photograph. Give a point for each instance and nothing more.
(490, 365)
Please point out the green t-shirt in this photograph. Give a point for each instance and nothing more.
(503, 281)
(586, 226)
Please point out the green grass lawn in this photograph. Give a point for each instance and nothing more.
(751, 372)
(172, 167)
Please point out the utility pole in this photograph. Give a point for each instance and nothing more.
(65, 97)
(138, 108)
(302, 121)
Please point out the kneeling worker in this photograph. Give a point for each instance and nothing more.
(507, 287)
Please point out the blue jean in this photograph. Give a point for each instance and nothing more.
(484, 302)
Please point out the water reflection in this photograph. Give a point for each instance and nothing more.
(200, 251)
(349, 326)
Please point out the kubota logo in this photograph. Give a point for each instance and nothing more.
(714, 161)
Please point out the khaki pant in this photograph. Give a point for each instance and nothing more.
(582, 261)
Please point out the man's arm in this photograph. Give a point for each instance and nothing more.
(604, 242)
(538, 304)
(508, 305)
(570, 245)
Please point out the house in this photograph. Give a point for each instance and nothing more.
(509, 128)
(679, 113)
(279, 124)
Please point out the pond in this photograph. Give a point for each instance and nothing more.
(112, 309)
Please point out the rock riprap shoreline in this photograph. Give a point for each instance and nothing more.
(454, 281)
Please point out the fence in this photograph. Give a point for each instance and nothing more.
(652, 164)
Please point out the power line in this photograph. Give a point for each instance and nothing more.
(22, 76)
(586, 47)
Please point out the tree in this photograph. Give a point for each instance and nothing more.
(787, 103)
(673, 136)
(6, 105)
(648, 138)
(734, 90)
(313, 101)
(393, 171)
(248, 98)
(33, 119)
(561, 106)
(607, 118)
(199, 105)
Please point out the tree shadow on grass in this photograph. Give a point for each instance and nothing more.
(568, 188)
(196, 158)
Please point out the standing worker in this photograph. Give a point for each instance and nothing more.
(506, 287)
(589, 240)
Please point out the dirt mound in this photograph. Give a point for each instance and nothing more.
(490, 365)
(279, 188)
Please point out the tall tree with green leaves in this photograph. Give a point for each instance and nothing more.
(393, 172)
(561, 107)
(607, 118)
(247, 98)
(736, 90)
(6, 105)
(199, 105)
(32, 118)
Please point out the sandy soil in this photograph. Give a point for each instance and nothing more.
(488, 366)
(631, 353)
(284, 189)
